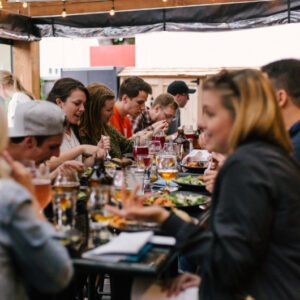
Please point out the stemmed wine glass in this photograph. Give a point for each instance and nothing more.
(167, 168)
(144, 162)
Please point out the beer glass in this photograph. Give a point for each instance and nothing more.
(98, 215)
(66, 187)
(167, 168)
(42, 185)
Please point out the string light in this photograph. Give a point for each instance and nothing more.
(112, 11)
(64, 11)
(24, 4)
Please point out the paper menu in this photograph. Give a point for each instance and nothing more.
(124, 243)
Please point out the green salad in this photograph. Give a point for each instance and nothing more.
(194, 180)
(187, 200)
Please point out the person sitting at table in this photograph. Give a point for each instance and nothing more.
(285, 78)
(13, 93)
(254, 232)
(159, 116)
(133, 95)
(94, 123)
(37, 135)
(30, 254)
(71, 96)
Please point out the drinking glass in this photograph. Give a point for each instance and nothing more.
(42, 185)
(124, 182)
(66, 188)
(99, 216)
(144, 162)
(161, 137)
(141, 146)
(154, 149)
(167, 168)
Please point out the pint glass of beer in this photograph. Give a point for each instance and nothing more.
(42, 185)
(66, 188)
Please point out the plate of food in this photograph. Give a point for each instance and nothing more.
(191, 182)
(178, 200)
(119, 224)
(195, 166)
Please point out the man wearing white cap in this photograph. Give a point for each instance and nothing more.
(38, 131)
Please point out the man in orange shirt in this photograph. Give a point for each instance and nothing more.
(133, 94)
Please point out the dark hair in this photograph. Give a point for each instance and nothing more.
(90, 126)
(165, 100)
(39, 139)
(285, 74)
(63, 88)
(132, 86)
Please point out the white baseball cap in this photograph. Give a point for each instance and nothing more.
(37, 118)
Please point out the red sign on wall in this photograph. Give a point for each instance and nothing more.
(113, 55)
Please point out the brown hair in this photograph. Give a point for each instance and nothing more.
(251, 100)
(131, 87)
(90, 126)
(165, 100)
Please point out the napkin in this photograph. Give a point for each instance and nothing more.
(196, 155)
(123, 245)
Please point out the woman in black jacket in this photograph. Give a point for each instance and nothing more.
(252, 246)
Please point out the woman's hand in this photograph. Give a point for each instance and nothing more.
(186, 280)
(209, 178)
(104, 143)
(133, 209)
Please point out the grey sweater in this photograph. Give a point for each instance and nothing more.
(28, 253)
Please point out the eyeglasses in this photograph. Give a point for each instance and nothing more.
(169, 116)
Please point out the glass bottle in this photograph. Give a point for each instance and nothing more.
(99, 175)
(183, 144)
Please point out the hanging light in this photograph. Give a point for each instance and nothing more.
(64, 11)
(164, 0)
(24, 4)
(112, 12)
(1, 6)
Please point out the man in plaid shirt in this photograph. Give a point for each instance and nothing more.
(163, 109)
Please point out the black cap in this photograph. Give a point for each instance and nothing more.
(179, 87)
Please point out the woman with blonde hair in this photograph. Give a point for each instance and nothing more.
(13, 94)
(251, 249)
(30, 256)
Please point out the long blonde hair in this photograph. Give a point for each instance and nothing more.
(251, 100)
(11, 81)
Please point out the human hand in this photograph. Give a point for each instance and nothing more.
(160, 125)
(133, 209)
(104, 143)
(186, 280)
(217, 160)
(209, 178)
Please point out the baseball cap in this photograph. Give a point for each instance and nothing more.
(179, 87)
(37, 118)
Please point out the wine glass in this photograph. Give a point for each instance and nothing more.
(144, 162)
(66, 187)
(167, 168)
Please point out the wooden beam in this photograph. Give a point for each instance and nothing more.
(54, 8)
(26, 65)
